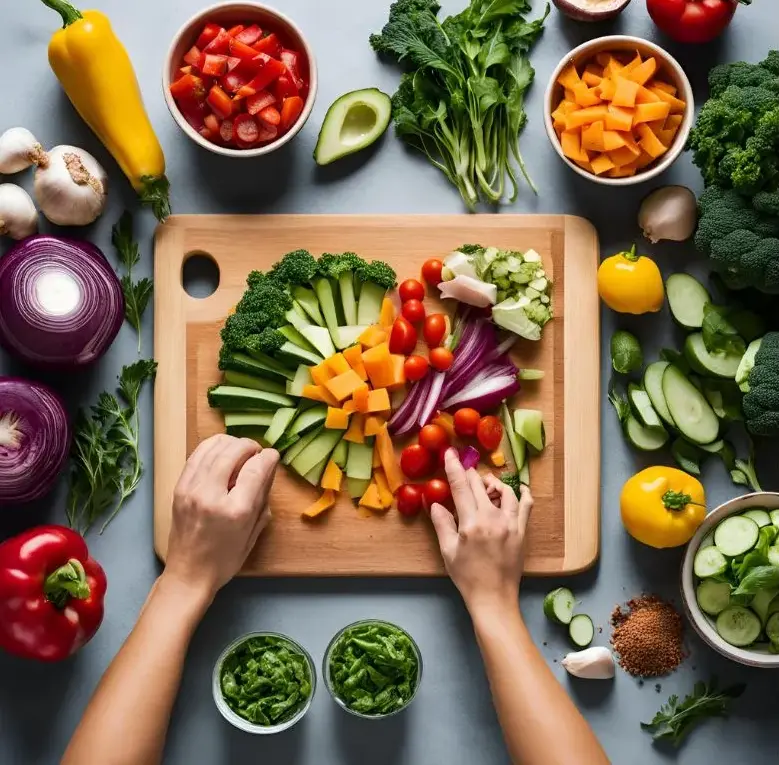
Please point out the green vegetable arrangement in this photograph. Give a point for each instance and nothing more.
(461, 101)
(373, 668)
(266, 680)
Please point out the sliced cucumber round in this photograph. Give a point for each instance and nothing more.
(687, 298)
(642, 407)
(736, 535)
(707, 541)
(693, 416)
(760, 517)
(739, 626)
(709, 562)
(713, 597)
(558, 605)
(761, 603)
(653, 385)
(581, 630)
(772, 628)
(643, 438)
(716, 364)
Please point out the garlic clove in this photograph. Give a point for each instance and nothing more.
(596, 663)
(18, 216)
(19, 149)
(670, 212)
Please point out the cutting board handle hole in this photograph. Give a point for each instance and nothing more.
(199, 275)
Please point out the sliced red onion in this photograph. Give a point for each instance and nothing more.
(34, 439)
(430, 402)
(61, 304)
(485, 393)
(406, 417)
(469, 457)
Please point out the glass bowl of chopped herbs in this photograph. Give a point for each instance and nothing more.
(264, 682)
(372, 669)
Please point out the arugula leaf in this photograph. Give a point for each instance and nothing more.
(676, 719)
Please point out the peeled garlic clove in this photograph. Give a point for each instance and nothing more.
(595, 663)
(71, 189)
(18, 216)
(19, 149)
(670, 212)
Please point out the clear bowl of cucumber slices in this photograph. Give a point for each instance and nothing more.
(730, 580)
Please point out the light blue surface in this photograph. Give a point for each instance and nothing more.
(452, 720)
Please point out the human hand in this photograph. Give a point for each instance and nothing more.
(220, 508)
(484, 554)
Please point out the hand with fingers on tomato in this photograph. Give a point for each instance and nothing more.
(220, 508)
(484, 548)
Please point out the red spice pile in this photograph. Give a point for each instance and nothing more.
(647, 636)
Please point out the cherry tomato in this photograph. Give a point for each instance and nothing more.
(416, 461)
(441, 359)
(466, 422)
(403, 338)
(489, 433)
(437, 490)
(431, 271)
(414, 310)
(434, 330)
(416, 368)
(433, 438)
(411, 289)
(410, 498)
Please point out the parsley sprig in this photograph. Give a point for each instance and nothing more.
(106, 465)
(136, 294)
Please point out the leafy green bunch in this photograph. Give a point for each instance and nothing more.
(461, 100)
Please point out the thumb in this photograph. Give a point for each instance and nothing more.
(445, 528)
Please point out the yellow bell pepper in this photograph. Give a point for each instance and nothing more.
(662, 506)
(98, 77)
(631, 283)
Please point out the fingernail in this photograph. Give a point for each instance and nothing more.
(452, 452)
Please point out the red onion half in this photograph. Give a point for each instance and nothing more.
(61, 304)
(34, 439)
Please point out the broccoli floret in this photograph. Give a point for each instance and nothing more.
(268, 341)
(238, 327)
(255, 278)
(342, 268)
(512, 480)
(266, 300)
(538, 313)
(333, 266)
(761, 401)
(379, 273)
(767, 203)
(298, 267)
(470, 249)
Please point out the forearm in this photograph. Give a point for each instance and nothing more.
(127, 718)
(540, 722)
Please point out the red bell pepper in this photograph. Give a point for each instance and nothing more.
(221, 104)
(285, 88)
(292, 62)
(209, 33)
(693, 21)
(268, 70)
(249, 35)
(290, 111)
(51, 594)
(270, 45)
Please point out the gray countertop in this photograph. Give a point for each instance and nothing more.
(452, 721)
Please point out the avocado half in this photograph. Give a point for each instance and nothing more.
(352, 123)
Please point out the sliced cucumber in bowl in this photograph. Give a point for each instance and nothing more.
(736, 535)
(739, 626)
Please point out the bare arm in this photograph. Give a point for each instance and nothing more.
(219, 510)
(484, 556)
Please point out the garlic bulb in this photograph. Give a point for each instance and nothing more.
(591, 664)
(18, 216)
(19, 149)
(71, 189)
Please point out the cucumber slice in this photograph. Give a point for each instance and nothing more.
(308, 419)
(736, 535)
(259, 365)
(287, 441)
(687, 298)
(716, 364)
(759, 516)
(356, 487)
(713, 597)
(295, 337)
(761, 603)
(645, 439)
(581, 630)
(739, 626)
(746, 365)
(230, 398)
(248, 425)
(707, 541)
(317, 451)
(280, 422)
(295, 355)
(308, 301)
(774, 517)
(653, 385)
(298, 446)
(314, 476)
(242, 380)
(709, 562)
(693, 416)
(531, 375)
(772, 628)
(348, 336)
(319, 338)
(558, 605)
(713, 448)
(359, 464)
(773, 555)
(302, 378)
(642, 406)
(340, 454)
(529, 424)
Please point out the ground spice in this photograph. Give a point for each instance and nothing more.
(648, 636)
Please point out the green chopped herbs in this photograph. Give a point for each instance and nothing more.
(266, 680)
(374, 668)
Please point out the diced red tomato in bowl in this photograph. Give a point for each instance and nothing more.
(242, 85)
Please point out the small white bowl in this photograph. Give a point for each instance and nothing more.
(704, 624)
(667, 65)
(228, 14)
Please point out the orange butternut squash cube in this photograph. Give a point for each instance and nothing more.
(332, 477)
(569, 77)
(613, 69)
(607, 89)
(591, 79)
(376, 456)
(385, 495)
(398, 372)
(569, 95)
(622, 172)
(603, 58)
(379, 401)
(372, 499)
(325, 502)
(378, 365)
(619, 118)
(373, 336)
(321, 373)
(644, 71)
(623, 156)
(592, 137)
(646, 96)
(353, 356)
(601, 164)
(650, 112)
(649, 142)
(355, 433)
(677, 105)
(633, 64)
(626, 92)
(387, 314)
(612, 140)
(319, 393)
(585, 117)
(373, 424)
(337, 364)
(664, 86)
(673, 121)
(344, 385)
(389, 462)
(644, 160)
(337, 419)
(585, 96)
(571, 144)
(349, 406)
(360, 398)
(631, 144)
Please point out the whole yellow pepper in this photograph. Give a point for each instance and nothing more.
(631, 283)
(662, 506)
(98, 77)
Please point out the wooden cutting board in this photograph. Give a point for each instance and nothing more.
(348, 541)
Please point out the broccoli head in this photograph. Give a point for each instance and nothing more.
(333, 266)
(761, 400)
(238, 327)
(298, 267)
(379, 273)
(268, 302)
(470, 249)
(268, 342)
(255, 278)
(745, 74)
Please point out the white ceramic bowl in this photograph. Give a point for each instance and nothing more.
(704, 624)
(669, 67)
(229, 14)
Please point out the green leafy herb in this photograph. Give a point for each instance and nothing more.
(266, 680)
(626, 354)
(106, 465)
(676, 719)
(461, 100)
(136, 294)
(374, 668)
(759, 578)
